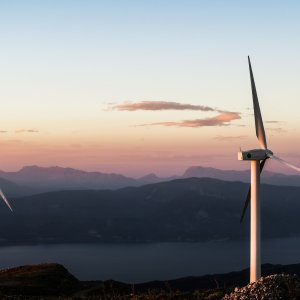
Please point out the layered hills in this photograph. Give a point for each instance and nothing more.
(181, 210)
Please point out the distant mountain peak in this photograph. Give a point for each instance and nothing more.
(150, 176)
(32, 167)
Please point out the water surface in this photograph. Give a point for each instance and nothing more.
(145, 262)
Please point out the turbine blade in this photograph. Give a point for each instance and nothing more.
(285, 163)
(262, 164)
(259, 126)
(5, 200)
(246, 204)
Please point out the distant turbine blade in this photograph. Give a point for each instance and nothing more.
(5, 200)
(285, 163)
(262, 163)
(259, 126)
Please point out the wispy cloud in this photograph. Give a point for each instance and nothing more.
(3, 131)
(223, 119)
(273, 122)
(31, 130)
(277, 129)
(159, 105)
(229, 138)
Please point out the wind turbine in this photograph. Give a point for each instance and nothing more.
(5, 199)
(258, 158)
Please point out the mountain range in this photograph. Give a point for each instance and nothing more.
(181, 210)
(33, 179)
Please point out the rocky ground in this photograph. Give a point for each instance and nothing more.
(273, 287)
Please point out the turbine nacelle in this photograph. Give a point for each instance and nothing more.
(255, 154)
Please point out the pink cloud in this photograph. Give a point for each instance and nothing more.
(159, 105)
(223, 119)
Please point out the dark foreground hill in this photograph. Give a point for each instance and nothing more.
(185, 210)
(54, 281)
(44, 279)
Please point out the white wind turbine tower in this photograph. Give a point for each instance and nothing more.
(257, 158)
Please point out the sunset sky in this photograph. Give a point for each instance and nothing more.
(136, 86)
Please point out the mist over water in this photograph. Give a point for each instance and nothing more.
(146, 262)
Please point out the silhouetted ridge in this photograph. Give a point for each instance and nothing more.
(54, 280)
(43, 279)
(34, 179)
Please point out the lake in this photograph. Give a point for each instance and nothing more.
(145, 262)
